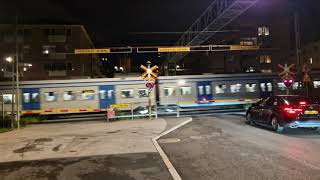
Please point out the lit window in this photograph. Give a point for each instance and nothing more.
(251, 87)
(35, 97)
(128, 93)
(143, 93)
(50, 96)
(235, 88)
(87, 95)
(200, 89)
(266, 70)
(68, 96)
(281, 86)
(316, 84)
(168, 91)
(110, 94)
(208, 89)
(186, 91)
(265, 59)
(269, 87)
(220, 89)
(102, 94)
(263, 31)
(26, 98)
(311, 60)
(7, 98)
(295, 85)
(263, 87)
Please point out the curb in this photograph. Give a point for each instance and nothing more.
(163, 155)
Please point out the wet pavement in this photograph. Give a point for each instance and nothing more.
(224, 147)
(114, 167)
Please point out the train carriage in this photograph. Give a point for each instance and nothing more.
(96, 95)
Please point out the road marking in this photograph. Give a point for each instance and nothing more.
(163, 155)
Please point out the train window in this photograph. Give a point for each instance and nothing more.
(295, 85)
(110, 94)
(281, 86)
(269, 87)
(143, 93)
(128, 93)
(168, 91)
(316, 84)
(26, 98)
(7, 98)
(200, 89)
(235, 88)
(186, 91)
(103, 94)
(87, 95)
(35, 97)
(50, 96)
(251, 87)
(68, 96)
(208, 89)
(220, 89)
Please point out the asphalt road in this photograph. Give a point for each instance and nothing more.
(114, 167)
(224, 147)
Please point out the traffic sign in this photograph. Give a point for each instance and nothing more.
(286, 71)
(119, 106)
(243, 48)
(149, 75)
(91, 51)
(174, 49)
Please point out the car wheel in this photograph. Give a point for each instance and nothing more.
(249, 119)
(276, 126)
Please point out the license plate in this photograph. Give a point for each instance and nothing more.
(311, 112)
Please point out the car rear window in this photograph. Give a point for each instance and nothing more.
(294, 100)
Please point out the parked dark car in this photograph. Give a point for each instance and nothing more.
(285, 111)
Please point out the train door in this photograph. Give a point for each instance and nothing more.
(31, 99)
(204, 90)
(106, 96)
(266, 89)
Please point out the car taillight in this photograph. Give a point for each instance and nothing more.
(292, 111)
(303, 103)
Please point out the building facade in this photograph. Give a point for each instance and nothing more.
(47, 52)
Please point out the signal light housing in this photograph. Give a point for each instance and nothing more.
(288, 82)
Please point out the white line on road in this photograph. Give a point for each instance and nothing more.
(163, 155)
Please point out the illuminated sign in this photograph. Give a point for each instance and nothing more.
(243, 48)
(173, 49)
(91, 51)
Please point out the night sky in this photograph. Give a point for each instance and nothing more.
(113, 22)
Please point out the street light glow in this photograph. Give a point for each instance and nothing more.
(9, 59)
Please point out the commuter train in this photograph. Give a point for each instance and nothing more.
(96, 95)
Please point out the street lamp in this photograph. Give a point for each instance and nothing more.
(9, 59)
(15, 84)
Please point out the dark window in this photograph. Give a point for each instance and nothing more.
(69, 66)
(68, 32)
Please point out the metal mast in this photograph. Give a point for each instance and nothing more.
(219, 14)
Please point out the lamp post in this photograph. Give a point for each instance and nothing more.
(15, 88)
(9, 59)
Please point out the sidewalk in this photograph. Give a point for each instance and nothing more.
(84, 150)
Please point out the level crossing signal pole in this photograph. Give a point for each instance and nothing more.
(306, 77)
(150, 77)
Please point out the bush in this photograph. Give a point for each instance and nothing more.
(25, 120)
